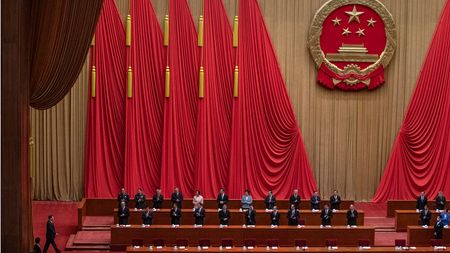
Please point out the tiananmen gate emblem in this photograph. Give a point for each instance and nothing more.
(352, 42)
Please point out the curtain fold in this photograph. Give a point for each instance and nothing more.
(105, 131)
(420, 158)
(62, 33)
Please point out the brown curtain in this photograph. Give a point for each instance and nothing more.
(62, 34)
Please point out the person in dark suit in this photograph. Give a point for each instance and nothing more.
(123, 197)
(425, 216)
(293, 215)
(335, 201)
(270, 201)
(222, 198)
(352, 216)
(224, 215)
(123, 214)
(50, 235)
(326, 215)
(421, 201)
(275, 217)
(199, 214)
(139, 199)
(315, 201)
(250, 216)
(147, 216)
(158, 199)
(438, 228)
(295, 199)
(37, 245)
(440, 201)
(177, 197)
(175, 214)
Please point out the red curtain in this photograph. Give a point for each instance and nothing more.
(144, 109)
(267, 151)
(180, 108)
(105, 130)
(420, 158)
(214, 110)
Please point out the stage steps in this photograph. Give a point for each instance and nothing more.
(89, 241)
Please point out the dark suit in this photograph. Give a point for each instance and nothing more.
(157, 201)
(224, 217)
(123, 214)
(222, 200)
(50, 237)
(440, 203)
(123, 198)
(326, 217)
(175, 215)
(315, 202)
(421, 202)
(295, 200)
(250, 217)
(199, 215)
(37, 248)
(425, 217)
(335, 202)
(352, 217)
(275, 218)
(177, 198)
(292, 216)
(438, 227)
(270, 202)
(139, 199)
(147, 218)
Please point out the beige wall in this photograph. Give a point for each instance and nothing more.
(348, 135)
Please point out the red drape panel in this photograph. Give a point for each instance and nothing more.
(214, 110)
(180, 109)
(420, 158)
(267, 151)
(144, 110)
(105, 130)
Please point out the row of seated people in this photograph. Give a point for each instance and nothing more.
(224, 215)
(222, 199)
(422, 201)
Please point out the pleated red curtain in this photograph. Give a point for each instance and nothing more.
(420, 158)
(214, 109)
(267, 150)
(180, 107)
(144, 106)
(105, 130)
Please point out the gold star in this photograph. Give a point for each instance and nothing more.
(360, 32)
(346, 31)
(371, 22)
(354, 14)
(336, 21)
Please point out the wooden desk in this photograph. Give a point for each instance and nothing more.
(405, 218)
(131, 249)
(162, 217)
(315, 236)
(419, 236)
(393, 205)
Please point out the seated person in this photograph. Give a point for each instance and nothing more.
(326, 215)
(440, 201)
(123, 197)
(147, 216)
(197, 199)
(175, 214)
(123, 214)
(222, 198)
(158, 199)
(293, 215)
(37, 245)
(438, 228)
(315, 201)
(247, 200)
(177, 197)
(421, 201)
(425, 216)
(275, 217)
(270, 201)
(352, 216)
(295, 199)
(224, 215)
(250, 216)
(139, 199)
(445, 217)
(199, 214)
(335, 201)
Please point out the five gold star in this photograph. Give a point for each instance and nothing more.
(336, 21)
(360, 32)
(354, 14)
(371, 22)
(346, 31)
